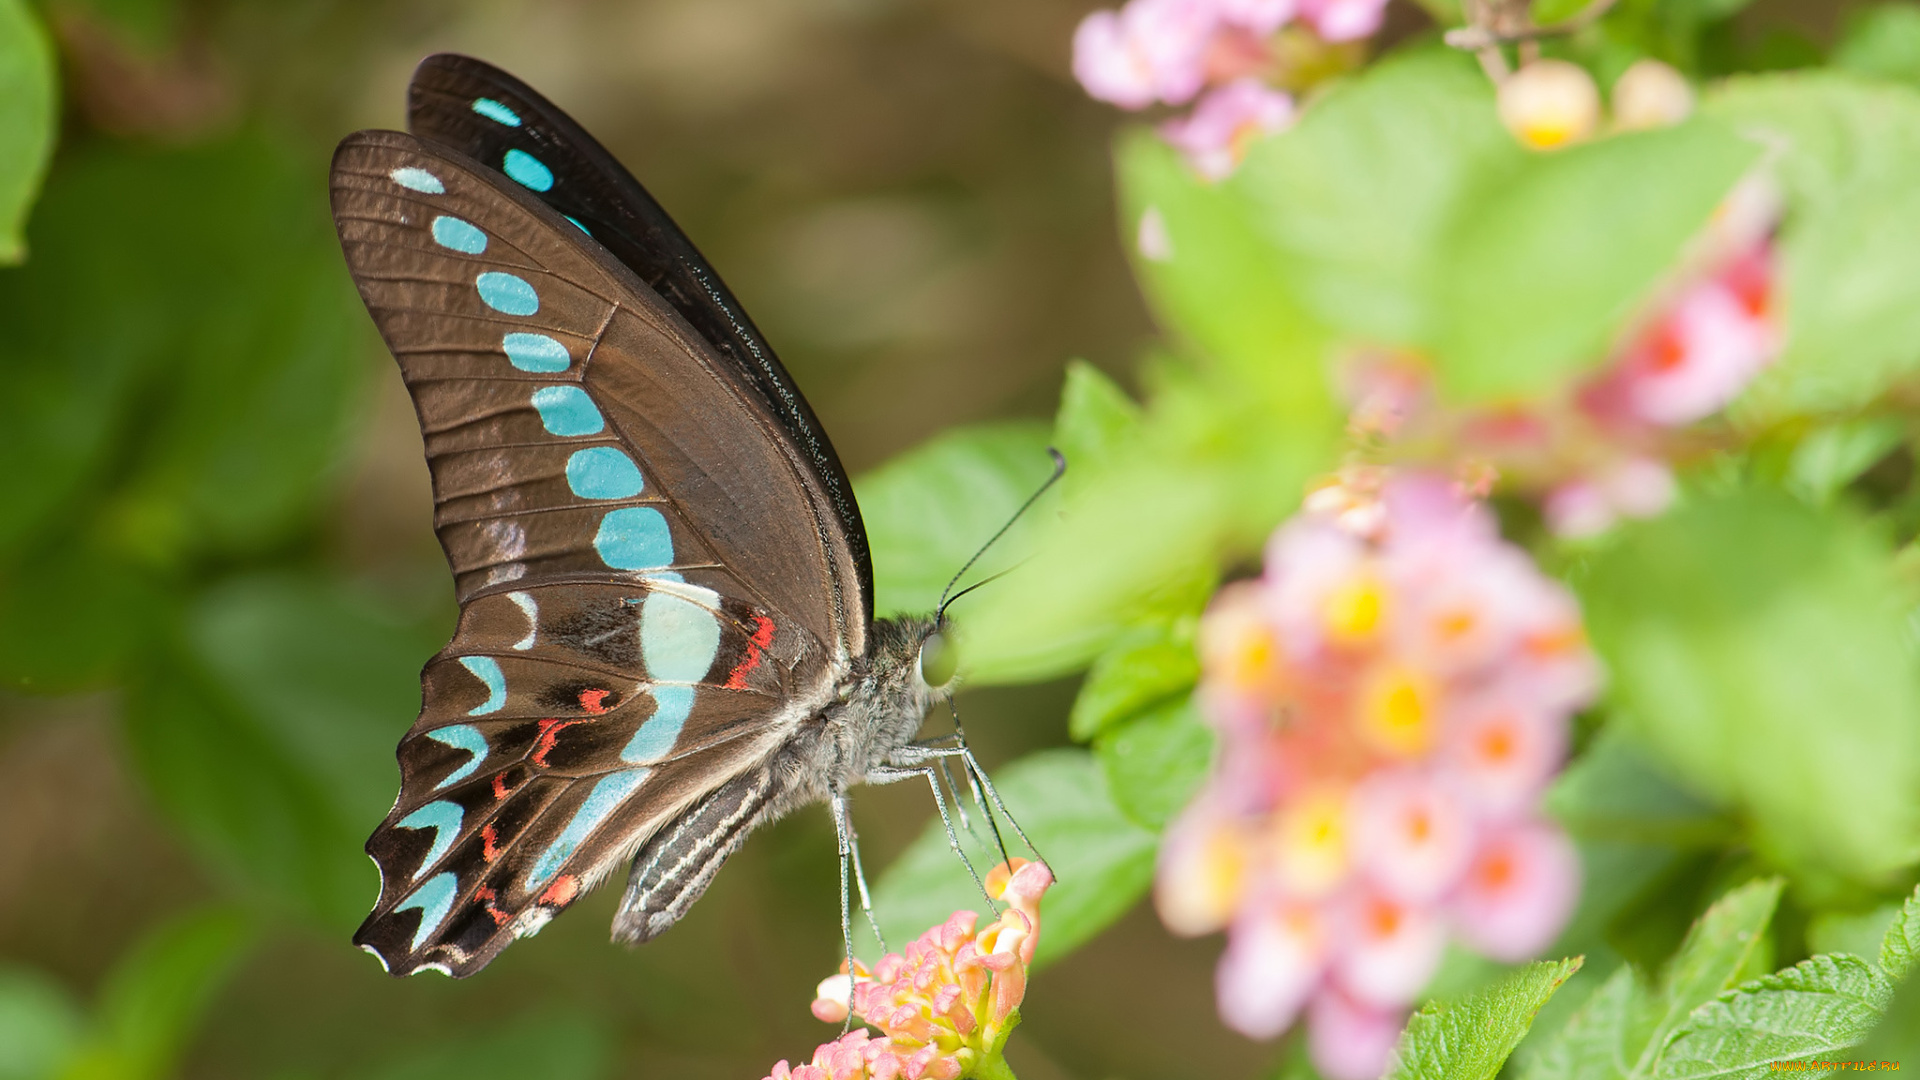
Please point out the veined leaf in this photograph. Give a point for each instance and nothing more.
(1815, 1009)
(1471, 1039)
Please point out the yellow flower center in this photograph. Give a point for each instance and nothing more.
(1397, 712)
(1355, 609)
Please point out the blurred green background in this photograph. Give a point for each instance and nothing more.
(218, 579)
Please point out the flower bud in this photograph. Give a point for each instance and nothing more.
(1650, 94)
(1550, 103)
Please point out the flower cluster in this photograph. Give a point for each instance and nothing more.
(1226, 53)
(1600, 450)
(946, 1003)
(1393, 696)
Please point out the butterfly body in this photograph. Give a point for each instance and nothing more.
(666, 635)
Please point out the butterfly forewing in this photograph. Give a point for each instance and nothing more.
(651, 594)
(498, 120)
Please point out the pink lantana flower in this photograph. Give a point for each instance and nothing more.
(1343, 20)
(1393, 697)
(1216, 135)
(944, 1004)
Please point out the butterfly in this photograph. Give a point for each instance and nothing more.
(666, 632)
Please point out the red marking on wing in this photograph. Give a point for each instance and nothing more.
(562, 891)
(488, 896)
(590, 700)
(762, 637)
(489, 844)
(549, 734)
(500, 786)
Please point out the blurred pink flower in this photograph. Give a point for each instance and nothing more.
(1216, 135)
(1393, 697)
(945, 1003)
(1148, 51)
(1343, 20)
(1703, 350)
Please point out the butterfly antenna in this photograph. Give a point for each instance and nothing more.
(947, 595)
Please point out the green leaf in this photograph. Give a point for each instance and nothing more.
(1832, 457)
(40, 1024)
(1881, 42)
(1358, 196)
(1542, 277)
(1220, 288)
(1096, 419)
(1597, 1042)
(1848, 153)
(928, 510)
(252, 811)
(1156, 760)
(1897, 1038)
(1148, 666)
(1104, 862)
(73, 614)
(1900, 949)
(1811, 1010)
(208, 410)
(1612, 792)
(1618, 1032)
(1861, 933)
(332, 678)
(1471, 1039)
(1756, 648)
(157, 994)
(29, 86)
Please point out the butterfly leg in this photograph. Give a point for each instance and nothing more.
(843, 831)
(860, 880)
(916, 765)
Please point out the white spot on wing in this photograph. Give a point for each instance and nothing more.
(532, 612)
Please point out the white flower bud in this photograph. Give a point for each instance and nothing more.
(1650, 94)
(1550, 103)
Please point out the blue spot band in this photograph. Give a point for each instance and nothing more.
(568, 411)
(444, 819)
(418, 180)
(461, 737)
(487, 670)
(655, 739)
(635, 538)
(606, 797)
(527, 170)
(601, 472)
(536, 352)
(507, 293)
(678, 638)
(433, 900)
(496, 112)
(458, 235)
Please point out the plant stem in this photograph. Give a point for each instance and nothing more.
(994, 1068)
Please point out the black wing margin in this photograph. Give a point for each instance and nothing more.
(498, 120)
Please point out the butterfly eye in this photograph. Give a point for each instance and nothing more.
(938, 660)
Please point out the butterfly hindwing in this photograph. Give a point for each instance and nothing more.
(498, 120)
(651, 595)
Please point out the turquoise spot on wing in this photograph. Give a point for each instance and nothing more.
(418, 180)
(487, 669)
(601, 472)
(606, 797)
(568, 411)
(635, 538)
(678, 638)
(451, 232)
(495, 111)
(536, 352)
(507, 293)
(527, 170)
(576, 223)
(655, 739)
(444, 819)
(433, 900)
(461, 737)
